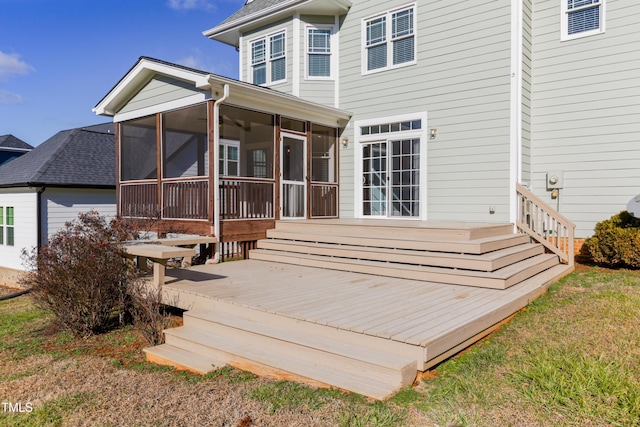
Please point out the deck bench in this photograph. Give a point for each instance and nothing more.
(159, 254)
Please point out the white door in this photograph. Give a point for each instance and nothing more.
(293, 176)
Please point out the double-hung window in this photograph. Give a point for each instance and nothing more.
(269, 59)
(582, 18)
(390, 40)
(6, 226)
(318, 52)
(229, 157)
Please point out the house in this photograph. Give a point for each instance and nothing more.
(364, 131)
(440, 109)
(71, 172)
(12, 148)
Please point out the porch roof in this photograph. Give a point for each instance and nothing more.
(241, 94)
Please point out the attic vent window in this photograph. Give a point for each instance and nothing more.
(582, 18)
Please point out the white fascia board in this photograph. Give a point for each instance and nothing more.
(138, 76)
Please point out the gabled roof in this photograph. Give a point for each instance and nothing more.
(256, 13)
(241, 94)
(82, 157)
(10, 141)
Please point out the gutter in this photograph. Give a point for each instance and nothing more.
(14, 295)
(216, 174)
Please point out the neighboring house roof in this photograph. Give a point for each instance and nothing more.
(10, 141)
(256, 13)
(82, 157)
(240, 94)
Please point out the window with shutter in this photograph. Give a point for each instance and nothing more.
(389, 40)
(582, 18)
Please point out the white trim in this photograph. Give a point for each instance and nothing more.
(241, 52)
(296, 55)
(564, 21)
(363, 40)
(515, 121)
(335, 64)
(164, 107)
(422, 133)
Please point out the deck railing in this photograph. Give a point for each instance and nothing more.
(139, 200)
(187, 199)
(545, 225)
(324, 200)
(246, 198)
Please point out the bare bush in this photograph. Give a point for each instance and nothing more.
(81, 275)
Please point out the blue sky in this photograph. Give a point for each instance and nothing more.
(58, 58)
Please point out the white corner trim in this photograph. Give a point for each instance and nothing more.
(515, 131)
(335, 62)
(295, 57)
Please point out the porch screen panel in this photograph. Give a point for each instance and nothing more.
(185, 143)
(323, 154)
(254, 131)
(138, 149)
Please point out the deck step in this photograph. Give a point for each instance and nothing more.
(490, 261)
(499, 279)
(377, 375)
(403, 230)
(474, 246)
(166, 354)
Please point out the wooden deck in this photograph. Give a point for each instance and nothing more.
(362, 332)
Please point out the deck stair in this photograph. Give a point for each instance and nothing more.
(210, 339)
(489, 256)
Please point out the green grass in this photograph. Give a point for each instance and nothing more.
(571, 358)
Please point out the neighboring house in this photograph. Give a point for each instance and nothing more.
(439, 109)
(70, 173)
(12, 148)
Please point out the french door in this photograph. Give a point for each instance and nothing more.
(391, 178)
(293, 172)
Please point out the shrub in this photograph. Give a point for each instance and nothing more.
(81, 275)
(616, 242)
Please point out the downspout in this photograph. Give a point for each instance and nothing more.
(216, 174)
(39, 220)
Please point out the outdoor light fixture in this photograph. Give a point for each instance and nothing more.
(345, 141)
(433, 133)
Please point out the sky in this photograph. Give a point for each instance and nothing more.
(59, 58)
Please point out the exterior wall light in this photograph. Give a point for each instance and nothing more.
(345, 142)
(433, 133)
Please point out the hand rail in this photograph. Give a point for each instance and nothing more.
(545, 225)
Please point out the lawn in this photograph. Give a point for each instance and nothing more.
(571, 358)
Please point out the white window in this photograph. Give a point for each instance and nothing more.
(389, 40)
(269, 59)
(319, 52)
(229, 158)
(582, 18)
(6, 226)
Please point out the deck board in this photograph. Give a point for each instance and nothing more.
(402, 310)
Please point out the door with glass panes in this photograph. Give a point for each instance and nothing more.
(293, 170)
(391, 178)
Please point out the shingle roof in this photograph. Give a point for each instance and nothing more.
(251, 7)
(10, 141)
(82, 157)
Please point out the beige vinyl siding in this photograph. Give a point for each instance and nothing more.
(24, 202)
(60, 205)
(586, 109)
(462, 80)
(160, 89)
